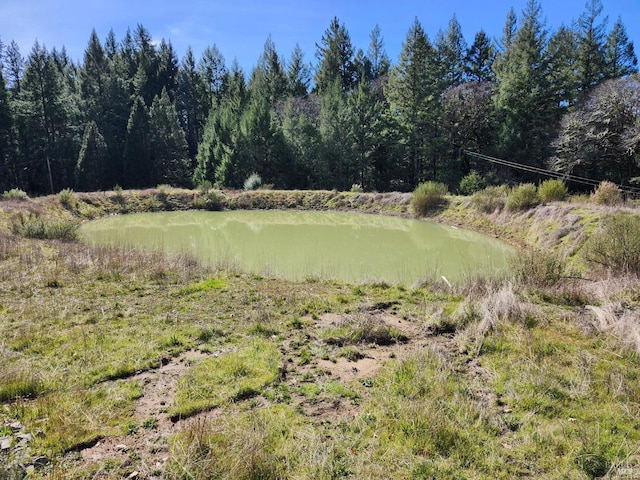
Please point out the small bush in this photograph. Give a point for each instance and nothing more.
(35, 227)
(523, 197)
(212, 200)
(616, 244)
(472, 183)
(253, 182)
(427, 197)
(66, 197)
(15, 194)
(553, 190)
(490, 199)
(537, 268)
(356, 188)
(607, 193)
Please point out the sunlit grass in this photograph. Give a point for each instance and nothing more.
(230, 377)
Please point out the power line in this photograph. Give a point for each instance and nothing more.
(549, 173)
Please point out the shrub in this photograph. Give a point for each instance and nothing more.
(66, 197)
(522, 197)
(490, 199)
(536, 267)
(616, 244)
(553, 190)
(35, 227)
(356, 188)
(607, 193)
(212, 200)
(15, 194)
(472, 183)
(253, 182)
(427, 197)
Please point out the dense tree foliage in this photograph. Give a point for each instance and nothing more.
(132, 114)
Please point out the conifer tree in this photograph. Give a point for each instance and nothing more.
(524, 99)
(168, 145)
(480, 58)
(590, 49)
(191, 102)
(413, 94)
(619, 55)
(92, 160)
(8, 174)
(213, 71)
(377, 55)
(451, 49)
(138, 168)
(14, 65)
(298, 73)
(335, 59)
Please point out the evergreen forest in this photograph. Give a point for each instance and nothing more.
(132, 114)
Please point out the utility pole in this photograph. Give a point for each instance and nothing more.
(50, 177)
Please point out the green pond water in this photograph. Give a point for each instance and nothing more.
(299, 245)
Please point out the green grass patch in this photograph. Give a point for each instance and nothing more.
(230, 377)
(202, 286)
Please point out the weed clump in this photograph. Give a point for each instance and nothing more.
(363, 329)
(537, 268)
(35, 226)
(607, 193)
(427, 197)
(66, 197)
(553, 190)
(523, 197)
(490, 199)
(209, 199)
(15, 194)
(615, 246)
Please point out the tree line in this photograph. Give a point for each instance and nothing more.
(131, 114)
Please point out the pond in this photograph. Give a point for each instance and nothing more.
(299, 245)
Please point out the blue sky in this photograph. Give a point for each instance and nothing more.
(239, 28)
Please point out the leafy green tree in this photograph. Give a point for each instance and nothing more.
(412, 91)
(92, 160)
(619, 56)
(335, 59)
(138, 167)
(168, 145)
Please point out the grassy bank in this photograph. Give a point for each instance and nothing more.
(118, 363)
